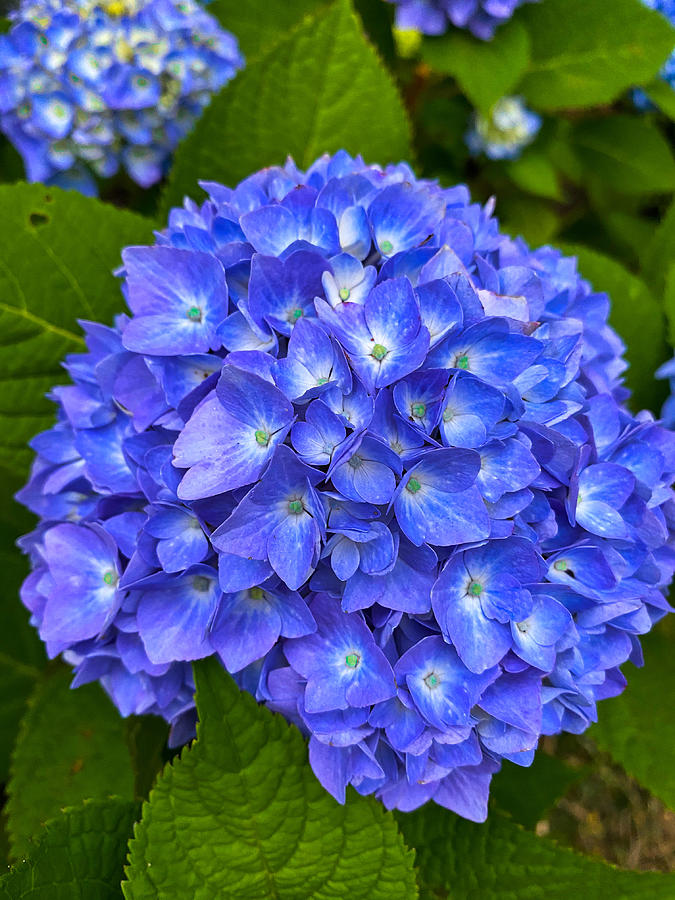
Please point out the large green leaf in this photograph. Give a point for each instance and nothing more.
(627, 153)
(320, 90)
(486, 70)
(71, 747)
(587, 52)
(241, 815)
(58, 250)
(638, 728)
(79, 856)
(636, 316)
(259, 24)
(498, 860)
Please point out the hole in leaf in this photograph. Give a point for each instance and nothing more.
(38, 219)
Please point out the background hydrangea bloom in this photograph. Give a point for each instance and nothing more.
(92, 87)
(509, 128)
(481, 17)
(373, 454)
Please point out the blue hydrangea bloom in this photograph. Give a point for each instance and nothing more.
(667, 8)
(89, 88)
(481, 17)
(509, 128)
(376, 457)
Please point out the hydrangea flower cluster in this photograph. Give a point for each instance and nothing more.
(87, 88)
(480, 17)
(667, 8)
(509, 128)
(374, 455)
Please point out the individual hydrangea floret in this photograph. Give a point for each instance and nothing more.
(375, 457)
(481, 17)
(505, 132)
(89, 87)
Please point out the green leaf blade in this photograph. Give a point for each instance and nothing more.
(486, 70)
(80, 855)
(58, 251)
(241, 815)
(587, 53)
(320, 90)
(75, 740)
(631, 728)
(498, 860)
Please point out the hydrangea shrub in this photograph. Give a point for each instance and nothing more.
(89, 88)
(481, 17)
(376, 457)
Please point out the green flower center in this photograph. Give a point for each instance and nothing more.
(413, 485)
(201, 584)
(352, 660)
(344, 293)
(110, 577)
(44, 40)
(194, 314)
(262, 437)
(379, 352)
(432, 680)
(355, 461)
(419, 410)
(295, 507)
(296, 314)
(560, 565)
(463, 362)
(448, 414)
(256, 593)
(322, 381)
(475, 588)
(386, 246)
(140, 81)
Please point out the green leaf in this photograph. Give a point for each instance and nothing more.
(638, 318)
(532, 218)
(58, 250)
(17, 682)
(146, 738)
(21, 651)
(259, 24)
(669, 302)
(80, 855)
(321, 90)
(660, 253)
(498, 860)
(71, 747)
(627, 153)
(534, 172)
(528, 793)
(241, 815)
(485, 70)
(638, 728)
(661, 93)
(588, 52)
